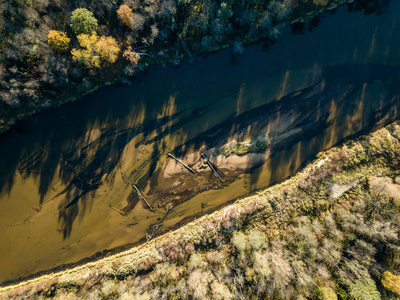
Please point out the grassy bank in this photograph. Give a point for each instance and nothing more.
(330, 232)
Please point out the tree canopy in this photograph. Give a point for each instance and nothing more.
(58, 40)
(125, 14)
(97, 50)
(83, 21)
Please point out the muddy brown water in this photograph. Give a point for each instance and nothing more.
(66, 174)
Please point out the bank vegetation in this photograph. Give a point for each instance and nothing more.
(53, 51)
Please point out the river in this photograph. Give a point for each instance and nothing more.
(66, 174)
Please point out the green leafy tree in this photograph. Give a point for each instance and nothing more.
(83, 21)
(364, 290)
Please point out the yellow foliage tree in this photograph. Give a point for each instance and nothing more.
(391, 282)
(108, 49)
(98, 50)
(131, 55)
(125, 13)
(58, 40)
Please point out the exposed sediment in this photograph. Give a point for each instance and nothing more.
(370, 160)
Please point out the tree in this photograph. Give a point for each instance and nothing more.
(131, 55)
(58, 40)
(108, 49)
(83, 21)
(224, 12)
(97, 50)
(391, 282)
(125, 14)
(364, 290)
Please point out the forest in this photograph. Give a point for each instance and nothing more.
(54, 51)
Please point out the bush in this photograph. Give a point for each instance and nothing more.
(239, 240)
(83, 21)
(58, 40)
(256, 239)
(326, 293)
(198, 282)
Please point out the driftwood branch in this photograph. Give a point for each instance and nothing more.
(156, 226)
(141, 196)
(116, 210)
(211, 167)
(182, 163)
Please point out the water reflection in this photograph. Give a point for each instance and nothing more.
(66, 175)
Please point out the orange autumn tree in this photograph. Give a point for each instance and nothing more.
(125, 14)
(97, 50)
(58, 40)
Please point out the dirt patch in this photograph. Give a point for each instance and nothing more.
(338, 190)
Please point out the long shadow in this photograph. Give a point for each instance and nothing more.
(83, 142)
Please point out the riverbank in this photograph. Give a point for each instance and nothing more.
(66, 181)
(331, 230)
(59, 80)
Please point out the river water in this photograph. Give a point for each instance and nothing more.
(66, 174)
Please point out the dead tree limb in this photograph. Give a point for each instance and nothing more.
(211, 167)
(141, 196)
(187, 50)
(182, 163)
(150, 236)
(116, 210)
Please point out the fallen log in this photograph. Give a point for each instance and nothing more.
(182, 163)
(211, 167)
(141, 196)
(116, 210)
(150, 236)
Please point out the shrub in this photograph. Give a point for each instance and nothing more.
(326, 293)
(220, 291)
(138, 22)
(196, 261)
(83, 21)
(108, 288)
(198, 283)
(215, 257)
(262, 145)
(256, 239)
(58, 40)
(239, 240)
(262, 264)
